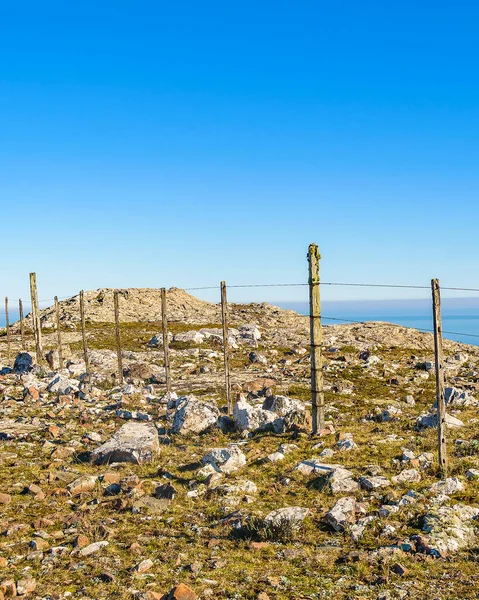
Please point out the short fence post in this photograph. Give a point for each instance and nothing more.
(7, 325)
(439, 358)
(37, 327)
(22, 325)
(166, 348)
(83, 332)
(59, 334)
(226, 350)
(116, 305)
(316, 335)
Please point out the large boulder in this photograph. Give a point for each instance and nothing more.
(430, 420)
(62, 385)
(336, 477)
(455, 397)
(133, 442)
(250, 332)
(250, 418)
(450, 528)
(190, 337)
(282, 405)
(342, 513)
(225, 460)
(193, 416)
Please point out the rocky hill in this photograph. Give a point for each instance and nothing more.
(127, 491)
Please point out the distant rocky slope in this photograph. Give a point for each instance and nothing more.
(282, 327)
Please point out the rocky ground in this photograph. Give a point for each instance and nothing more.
(111, 491)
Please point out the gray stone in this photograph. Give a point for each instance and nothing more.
(291, 514)
(225, 460)
(372, 483)
(192, 337)
(193, 416)
(407, 476)
(282, 405)
(133, 442)
(62, 385)
(251, 418)
(430, 420)
(342, 513)
(447, 486)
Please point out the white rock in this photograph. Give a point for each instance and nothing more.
(447, 486)
(62, 385)
(92, 548)
(133, 442)
(342, 513)
(275, 457)
(225, 460)
(472, 474)
(251, 418)
(193, 416)
(249, 332)
(407, 476)
(430, 420)
(373, 483)
(292, 514)
(194, 337)
(282, 405)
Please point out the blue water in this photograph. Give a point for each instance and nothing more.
(460, 317)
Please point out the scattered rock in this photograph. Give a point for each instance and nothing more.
(193, 416)
(133, 442)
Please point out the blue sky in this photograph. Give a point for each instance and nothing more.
(180, 143)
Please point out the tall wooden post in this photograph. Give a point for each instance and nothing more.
(439, 358)
(7, 325)
(116, 305)
(37, 328)
(316, 335)
(226, 349)
(22, 324)
(59, 333)
(166, 348)
(83, 332)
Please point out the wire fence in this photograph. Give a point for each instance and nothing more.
(203, 348)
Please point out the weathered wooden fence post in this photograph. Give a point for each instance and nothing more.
(7, 325)
(83, 332)
(166, 348)
(439, 358)
(116, 305)
(22, 324)
(316, 335)
(59, 333)
(37, 327)
(226, 349)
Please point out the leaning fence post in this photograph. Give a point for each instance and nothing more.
(22, 325)
(116, 305)
(7, 325)
(59, 334)
(439, 358)
(316, 335)
(37, 328)
(226, 350)
(83, 332)
(166, 348)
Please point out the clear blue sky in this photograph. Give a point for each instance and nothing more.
(180, 143)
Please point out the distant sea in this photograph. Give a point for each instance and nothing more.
(460, 316)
